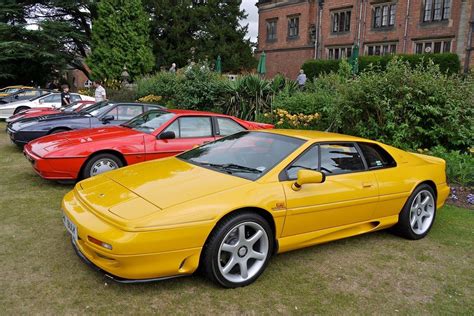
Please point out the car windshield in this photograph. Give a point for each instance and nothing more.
(149, 121)
(246, 154)
(97, 109)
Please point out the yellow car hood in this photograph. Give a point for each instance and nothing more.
(139, 190)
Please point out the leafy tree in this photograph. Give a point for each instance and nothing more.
(184, 30)
(120, 37)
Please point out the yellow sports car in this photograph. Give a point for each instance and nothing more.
(229, 205)
(12, 89)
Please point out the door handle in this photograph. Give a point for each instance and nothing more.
(367, 184)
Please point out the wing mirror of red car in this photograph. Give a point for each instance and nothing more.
(167, 135)
(308, 177)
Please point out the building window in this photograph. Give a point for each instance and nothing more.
(384, 16)
(341, 21)
(339, 52)
(433, 46)
(293, 26)
(381, 49)
(436, 10)
(271, 30)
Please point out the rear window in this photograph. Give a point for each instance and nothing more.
(376, 157)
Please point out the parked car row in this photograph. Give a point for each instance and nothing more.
(166, 191)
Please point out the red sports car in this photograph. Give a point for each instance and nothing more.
(154, 134)
(36, 112)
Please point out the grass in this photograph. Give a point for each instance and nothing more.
(371, 274)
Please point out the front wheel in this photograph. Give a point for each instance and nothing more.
(19, 109)
(238, 250)
(101, 163)
(418, 214)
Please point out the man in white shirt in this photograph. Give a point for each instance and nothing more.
(99, 92)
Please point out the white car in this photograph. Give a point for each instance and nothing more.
(52, 100)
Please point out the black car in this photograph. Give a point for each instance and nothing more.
(100, 114)
(23, 94)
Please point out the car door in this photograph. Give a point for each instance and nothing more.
(123, 113)
(348, 195)
(190, 131)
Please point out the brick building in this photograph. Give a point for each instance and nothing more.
(293, 31)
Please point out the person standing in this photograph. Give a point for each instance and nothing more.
(100, 94)
(173, 68)
(301, 79)
(65, 96)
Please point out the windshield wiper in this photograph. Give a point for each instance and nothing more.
(229, 167)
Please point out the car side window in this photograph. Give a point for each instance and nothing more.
(195, 126)
(127, 112)
(52, 98)
(340, 158)
(309, 160)
(75, 97)
(228, 126)
(376, 157)
(174, 127)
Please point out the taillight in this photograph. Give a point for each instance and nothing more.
(99, 243)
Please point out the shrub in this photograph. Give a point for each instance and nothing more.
(283, 119)
(459, 166)
(448, 63)
(316, 68)
(122, 94)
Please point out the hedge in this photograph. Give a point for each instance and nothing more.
(448, 63)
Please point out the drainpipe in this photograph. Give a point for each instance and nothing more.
(317, 42)
(359, 24)
(405, 35)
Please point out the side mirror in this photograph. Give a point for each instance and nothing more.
(107, 118)
(41, 101)
(167, 135)
(307, 177)
(16, 96)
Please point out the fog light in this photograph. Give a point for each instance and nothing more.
(100, 243)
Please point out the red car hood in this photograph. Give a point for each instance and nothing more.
(56, 142)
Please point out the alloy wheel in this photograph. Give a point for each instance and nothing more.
(422, 212)
(243, 252)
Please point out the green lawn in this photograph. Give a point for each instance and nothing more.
(372, 274)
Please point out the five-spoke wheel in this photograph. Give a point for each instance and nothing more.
(238, 250)
(418, 214)
(101, 163)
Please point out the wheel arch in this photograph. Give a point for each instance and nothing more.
(102, 151)
(257, 210)
(427, 182)
(21, 108)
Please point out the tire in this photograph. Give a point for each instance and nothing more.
(230, 248)
(59, 130)
(19, 109)
(101, 163)
(418, 215)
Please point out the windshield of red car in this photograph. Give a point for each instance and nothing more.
(149, 121)
(246, 154)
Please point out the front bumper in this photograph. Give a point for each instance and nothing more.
(54, 168)
(22, 137)
(142, 256)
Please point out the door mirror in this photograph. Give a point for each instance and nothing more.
(307, 177)
(108, 118)
(40, 101)
(167, 135)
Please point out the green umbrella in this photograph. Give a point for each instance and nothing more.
(261, 68)
(219, 64)
(354, 61)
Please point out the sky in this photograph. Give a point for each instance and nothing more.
(252, 19)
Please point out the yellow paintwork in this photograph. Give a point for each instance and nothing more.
(157, 215)
(12, 87)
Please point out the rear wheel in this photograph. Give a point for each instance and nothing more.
(20, 108)
(101, 163)
(418, 214)
(238, 250)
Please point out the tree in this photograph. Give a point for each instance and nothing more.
(120, 37)
(184, 30)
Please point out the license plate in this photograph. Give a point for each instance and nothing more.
(70, 226)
